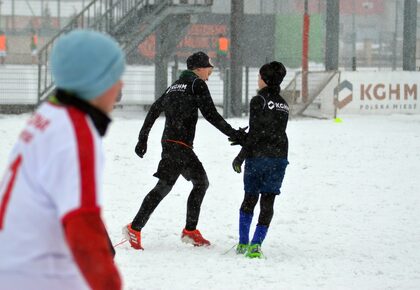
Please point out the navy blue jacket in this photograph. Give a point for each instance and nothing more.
(268, 117)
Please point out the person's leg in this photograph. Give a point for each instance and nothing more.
(150, 202)
(246, 213)
(168, 172)
(194, 171)
(195, 199)
(190, 234)
(264, 219)
(274, 171)
(252, 183)
(266, 209)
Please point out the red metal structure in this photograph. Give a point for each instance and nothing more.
(305, 51)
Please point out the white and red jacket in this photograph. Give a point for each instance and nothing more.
(51, 232)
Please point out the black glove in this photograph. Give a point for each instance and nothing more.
(141, 147)
(239, 137)
(237, 164)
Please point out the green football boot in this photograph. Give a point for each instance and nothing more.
(241, 249)
(254, 251)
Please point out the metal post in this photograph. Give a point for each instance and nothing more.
(0, 12)
(332, 34)
(226, 98)
(246, 90)
(161, 61)
(13, 15)
(305, 51)
(59, 14)
(236, 24)
(409, 35)
(394, 46)
(39, 76)
(111, 18)
(175, 69)
(335, 101)
(353, 37)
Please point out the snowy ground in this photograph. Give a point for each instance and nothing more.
(347, 218)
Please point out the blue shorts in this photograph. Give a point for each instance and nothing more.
(264, 175)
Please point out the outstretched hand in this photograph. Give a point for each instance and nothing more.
(141, 148)
(239, 137)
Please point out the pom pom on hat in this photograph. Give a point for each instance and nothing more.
(273, 73)
(87, 63)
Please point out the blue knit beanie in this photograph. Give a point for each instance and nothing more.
(87, 63)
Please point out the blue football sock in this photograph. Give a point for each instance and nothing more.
(245, 220)
(259, 234)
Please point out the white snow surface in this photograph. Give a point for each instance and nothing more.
(347, 217)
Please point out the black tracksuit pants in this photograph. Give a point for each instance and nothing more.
(176, 160)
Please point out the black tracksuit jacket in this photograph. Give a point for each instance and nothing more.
(268, 118)
(180, 103)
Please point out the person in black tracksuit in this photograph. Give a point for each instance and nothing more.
(265, 153)
(181, 103)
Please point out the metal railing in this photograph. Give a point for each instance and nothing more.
(101, 15)
(292, 93)
(110, 16)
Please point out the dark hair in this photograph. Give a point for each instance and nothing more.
(273, 73)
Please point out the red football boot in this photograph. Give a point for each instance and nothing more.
(133, 236)
(194, 237)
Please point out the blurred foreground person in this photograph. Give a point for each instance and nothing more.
(180, 103)
(51, 232)
(265, 153)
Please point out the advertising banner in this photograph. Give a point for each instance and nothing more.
(378, 93)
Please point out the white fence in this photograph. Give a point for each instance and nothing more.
(346, 93)
(19, 85)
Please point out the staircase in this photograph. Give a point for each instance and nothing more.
(128, 21)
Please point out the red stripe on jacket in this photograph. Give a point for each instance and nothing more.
(86, 155)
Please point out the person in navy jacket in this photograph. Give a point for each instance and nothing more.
(265, 154)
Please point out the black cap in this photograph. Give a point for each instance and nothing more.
(198, 59)
(273, 73)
